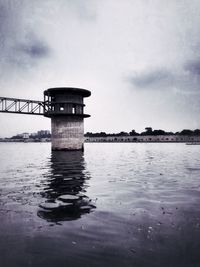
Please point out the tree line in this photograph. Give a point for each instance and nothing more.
(148, 131)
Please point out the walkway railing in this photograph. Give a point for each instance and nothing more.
(21, 106)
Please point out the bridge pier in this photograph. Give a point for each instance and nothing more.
(64, 105)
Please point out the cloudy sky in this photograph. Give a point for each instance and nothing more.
(140, 59)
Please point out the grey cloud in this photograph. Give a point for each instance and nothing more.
(152, 79)
(184, 80)
(9, 23)
(28, 53)
(193, 66)
(20, 44)
(34, 50)
(2, 16)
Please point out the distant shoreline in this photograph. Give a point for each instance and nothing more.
(144, 139)
(118, 139)
(9, 140)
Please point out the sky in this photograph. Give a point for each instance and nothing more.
(139, 58)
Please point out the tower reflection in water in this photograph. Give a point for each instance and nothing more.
(65, 188)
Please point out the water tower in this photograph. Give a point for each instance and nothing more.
(64, 105)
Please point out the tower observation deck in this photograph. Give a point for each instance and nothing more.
(65, 107)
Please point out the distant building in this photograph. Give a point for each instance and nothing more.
(43, 133)
(25, 135)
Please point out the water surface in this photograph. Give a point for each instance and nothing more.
(116, 204)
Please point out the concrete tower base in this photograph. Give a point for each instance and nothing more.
(67, 133)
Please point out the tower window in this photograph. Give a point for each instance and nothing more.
(61, 107)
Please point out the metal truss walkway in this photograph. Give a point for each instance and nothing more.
(21, 106)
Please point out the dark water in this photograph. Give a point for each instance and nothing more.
(113, 205)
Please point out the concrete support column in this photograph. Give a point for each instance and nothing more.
(67, 133)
